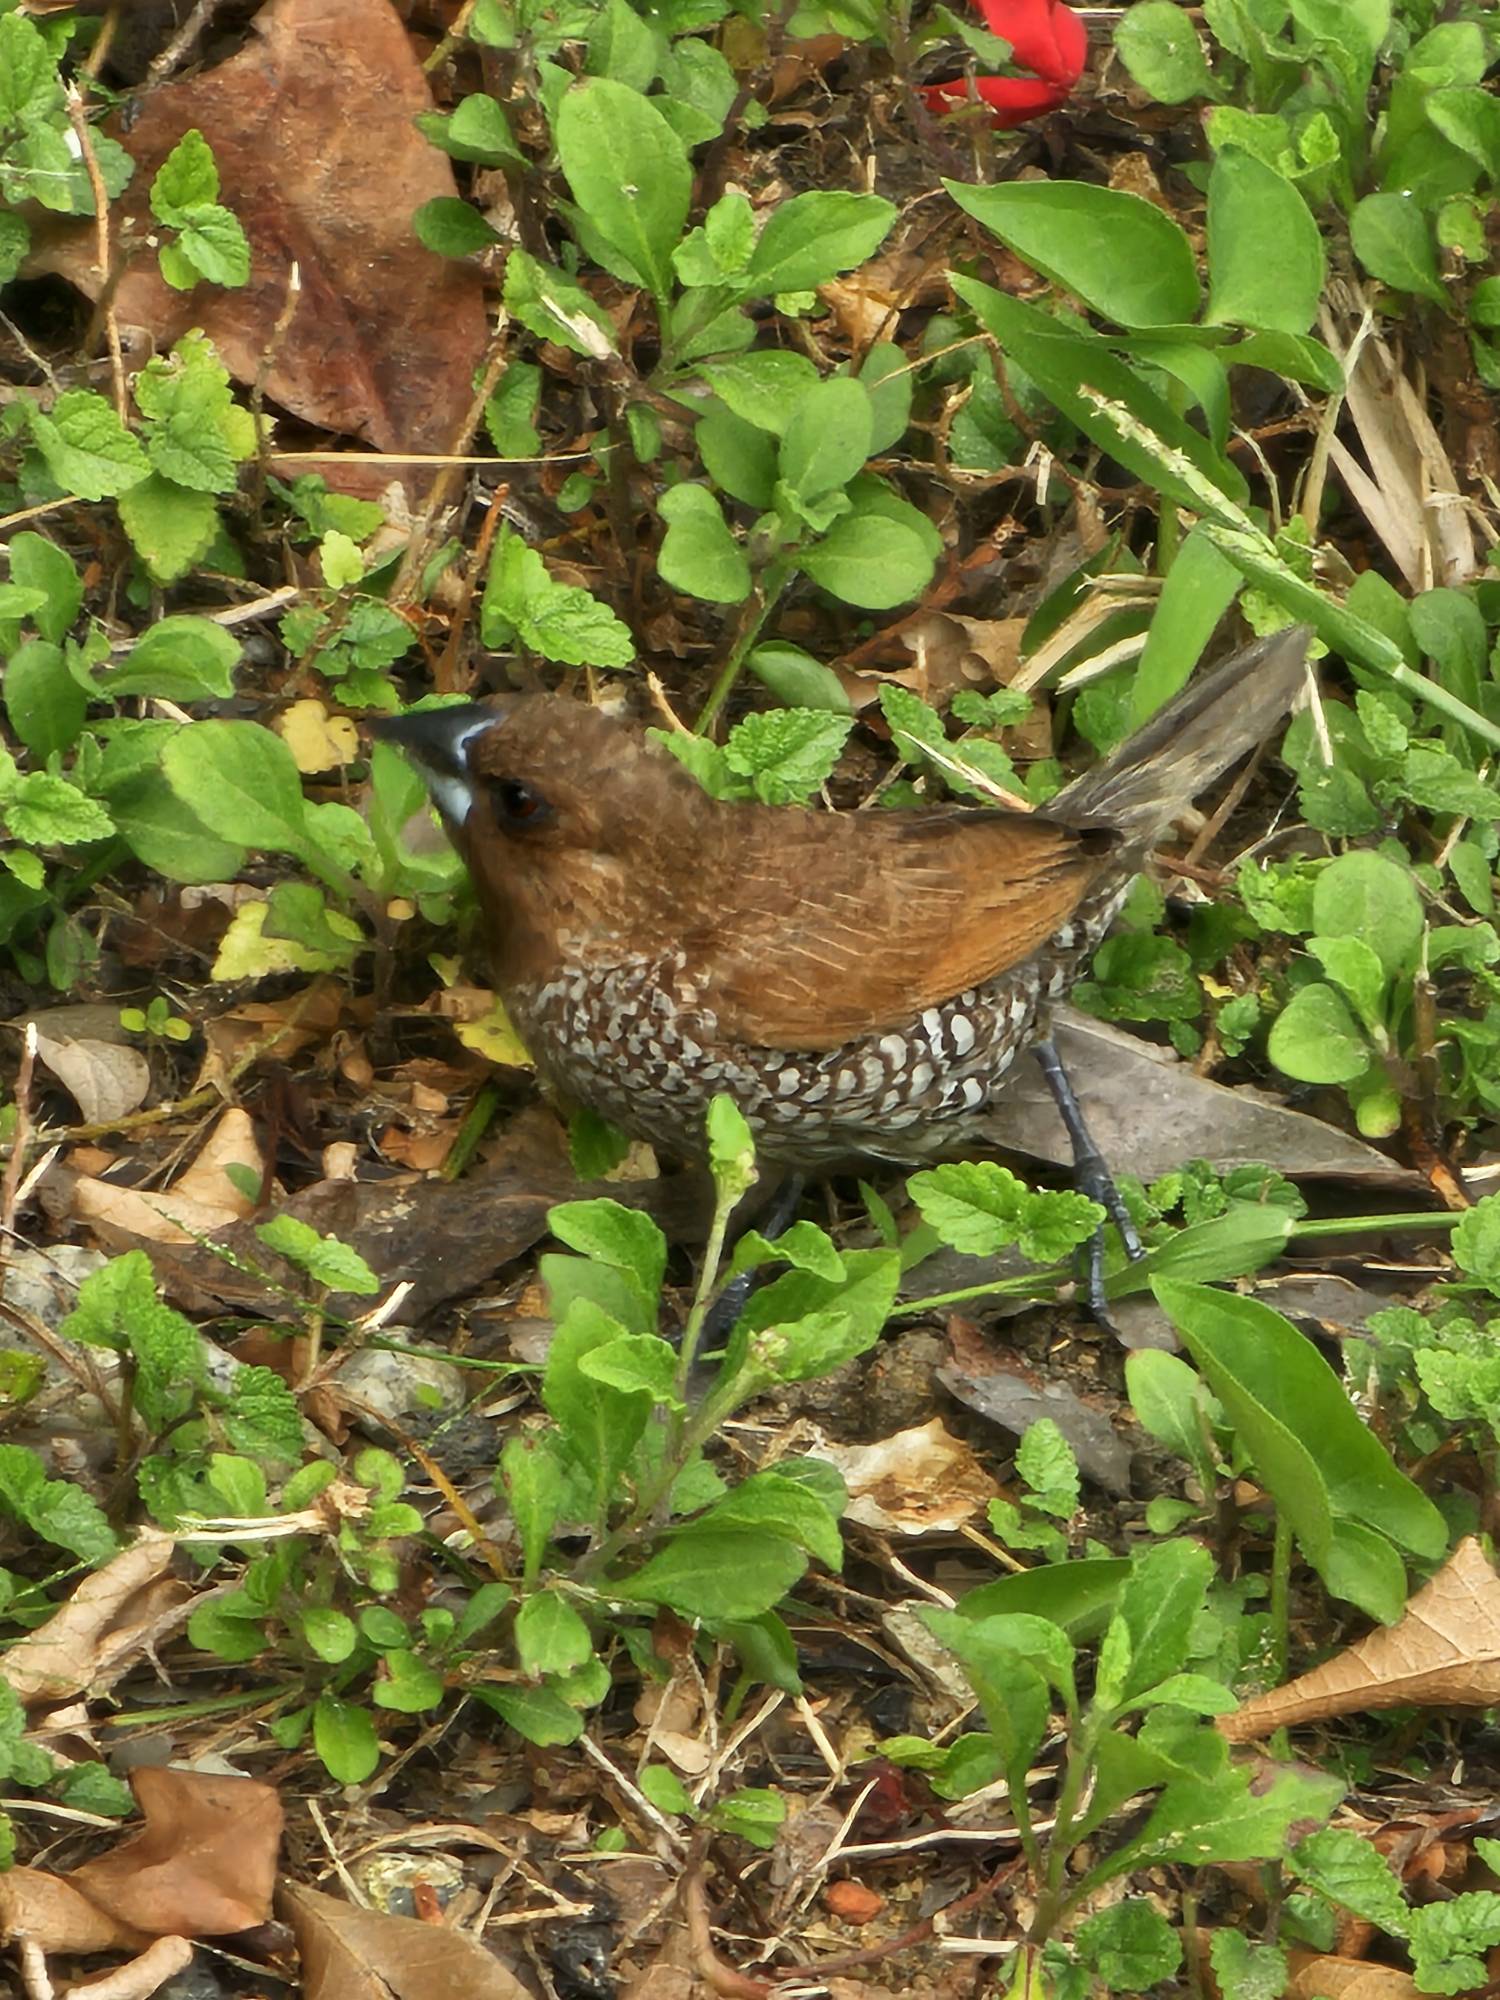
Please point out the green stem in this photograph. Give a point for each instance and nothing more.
(1371, 1225)
(768, 595)
(1039, 1285)
(713, 1253)
(1446, 704)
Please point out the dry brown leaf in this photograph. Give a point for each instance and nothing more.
(142, 1977)
(277, 1030)
(205, 1863)
(102, 1627)
(314, 135)
(1409, 494)
(1444, 1652)
(200, 1201)
(353, 1954)
(47, 1911)
(918, 1482)
(105, 1079)
(1315, 1976)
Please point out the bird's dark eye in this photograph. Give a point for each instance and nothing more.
(517, 804)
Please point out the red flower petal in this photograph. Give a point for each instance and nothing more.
(1045, 35)
(1013, 99)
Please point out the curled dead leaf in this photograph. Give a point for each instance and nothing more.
(1444, 1652)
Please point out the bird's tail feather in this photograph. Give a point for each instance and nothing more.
(1146, 780)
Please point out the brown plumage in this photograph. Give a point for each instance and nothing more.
(859, 982)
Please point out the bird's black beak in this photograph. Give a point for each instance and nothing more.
(437, 742)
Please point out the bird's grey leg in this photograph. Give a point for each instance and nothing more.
(1091, 1174)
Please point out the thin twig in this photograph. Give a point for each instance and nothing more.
(78, 119)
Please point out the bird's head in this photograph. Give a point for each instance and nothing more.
(563, 815)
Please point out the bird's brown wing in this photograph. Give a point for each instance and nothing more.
(841, 925)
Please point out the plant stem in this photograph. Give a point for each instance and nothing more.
(1281, 1583)
(1039, 1285)
(1371, 1225)
(767, 595)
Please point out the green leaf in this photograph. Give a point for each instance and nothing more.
(44, 811)
(1392, 238)
(755, 1815)
(452, 228)
(1117, 251)
(888, 378)
(559, 621)
(731, 1149)
(629, 172)
(1199, 588)
(168, 836)
(55, 1509)
(1130, 1945)
(241, 782)
(739, 459)
(1449, 1942)
(169, 525)
(1476, 1241)
(980, 1208)
(1317, 1040)
(538, 1714)
(602, 1425)
(827, 438)
(1223, 1819)
(1172, 1402)
(15, 236)
(181, 659)
(214, 246)
(636, 1361)
(775, 1505)
(1158, 43)
(186, 177)
(1299, 357)
(551, 1638)
(46, 706)
(1265, 251)
(813, 237)
(532, 1480)
(1358, 974)
(479, 130)
(869, 562)
(344, 1737)
(1346, 1869)
(88, 450)
(556, 307)
(1163, 1596)
(1303, 1433)
(762, 388)
(325, 1259)
(408, 1684)
(699, 555)
(330, 1634)
(1059, 359)
(38, 564)
(715, 1573)
(29, 89)
(787, 753)
(1367, 896)
(613, 1234)
(620, 45)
